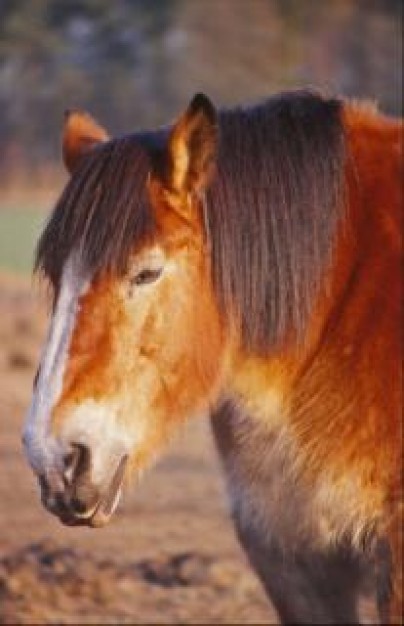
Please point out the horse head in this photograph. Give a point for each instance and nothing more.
(135, 343)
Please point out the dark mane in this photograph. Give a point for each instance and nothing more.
(102, 213)
(271, 210)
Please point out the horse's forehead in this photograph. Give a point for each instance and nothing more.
(74, 280)
(73, 288)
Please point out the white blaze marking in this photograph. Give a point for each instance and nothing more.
(39, 444)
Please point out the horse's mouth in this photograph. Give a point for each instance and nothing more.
(109, 501)
(102, 512)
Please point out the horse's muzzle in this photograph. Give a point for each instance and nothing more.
(74, 499)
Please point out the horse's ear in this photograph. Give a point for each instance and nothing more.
(192, 147)
(80, 134)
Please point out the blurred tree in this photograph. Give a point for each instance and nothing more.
(88, 53)
(136, 63)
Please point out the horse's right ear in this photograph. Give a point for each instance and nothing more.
(80, 134)
(192, 147)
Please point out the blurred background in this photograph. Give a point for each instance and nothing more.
(136, 63)
(170, 555)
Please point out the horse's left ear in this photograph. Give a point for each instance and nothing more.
(192, 147)
(81, 133)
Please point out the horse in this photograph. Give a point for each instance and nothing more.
(243, 264)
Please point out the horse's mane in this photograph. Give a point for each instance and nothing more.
(102, 213)
(272, 210)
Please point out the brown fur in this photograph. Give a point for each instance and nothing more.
(286, 321)
(337, 400)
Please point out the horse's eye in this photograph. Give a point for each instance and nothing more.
(146, 276)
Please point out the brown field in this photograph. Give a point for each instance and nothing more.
(170, 554)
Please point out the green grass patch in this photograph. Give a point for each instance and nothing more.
(19, 231)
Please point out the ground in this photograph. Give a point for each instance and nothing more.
(170, 554)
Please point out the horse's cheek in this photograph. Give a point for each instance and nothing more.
(89, 373)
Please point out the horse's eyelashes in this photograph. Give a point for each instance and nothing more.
(146, 276)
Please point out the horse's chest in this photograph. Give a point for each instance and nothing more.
(296, 538)
(266, 494)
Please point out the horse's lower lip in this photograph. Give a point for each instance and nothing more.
(109, 502)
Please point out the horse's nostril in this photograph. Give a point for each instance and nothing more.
(44, 487)
(78, 506)
(35, 381)
(76, 462)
